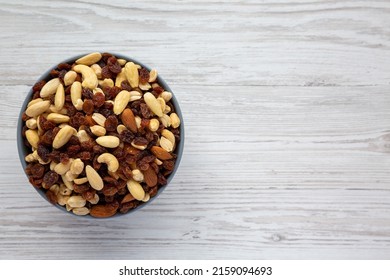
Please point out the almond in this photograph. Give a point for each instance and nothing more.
(103, 211)
(150, 177)
(50, 88)
(131, 72)
(63, 136)
(161, 153)
(153, 104)
(89, 59)
(121, 101)
(128, 120)
(135, 189)
(59, 99)
(108, 141)
(37, 108)
(128, 197)
(94, 178)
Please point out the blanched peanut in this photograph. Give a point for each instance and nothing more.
(70, 77)
(77, 166)
(152, 75)
(166, 95)
(31, 123)
(154, 124)
(98, 130)
(80, 211)
(32, 137)
(175, 120)
(76, 201)
(50, 88)
(94, 178)
(62, 168)
(97, 69)
(137, 175)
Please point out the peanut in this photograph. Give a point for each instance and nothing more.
(145, 86)
(162, 103)
(106, 83)
(121, 61)
(32, 137)
(146, 197)
(135, 95)
(37, 108)
(80, 211)
(132, 75)
(95, 199)
(98, 130)
(63, 136)
(62, 199)
(99, 119)
(153, 104)
(76, 201)
(77, 166)
(62, 168)
(94, 178)
(80, 181)
(166, 120)
(89, 59)
(120, 128)
(70, 77)
(58, 118)
(69, 176)
(121, 101)
(175, 120)
(169, 135)
(50, 88)
(108, 141)
(120, 78)
(166, 95)
(152, 75)
(32, 102)
(166, 144)
(138, 121)
(90, 79)
(154, 124)
(97, 69)
(67, 183)
(137, 175)
(83, 136)
(135, 189)
(139, 147)
(31, 123)
(110, 160)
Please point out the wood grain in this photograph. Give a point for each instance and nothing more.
(287, 114)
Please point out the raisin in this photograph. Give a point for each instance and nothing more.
(113, 92)
(168, 164)
(126, 86)
(51, 197)
(119, 153)
(106, 73)
(121, 184)
(47, 138)
(108, 105)
(64, 158)
(25, 117)
(113, 65)
(111, 123)
(50, 178)
(68, 98)
(106, 56)
(145, 123)
(43, 152)
(155, 167)
(87, 93)
(140, 141)
(153, 191)
(110, 180)
(127, 136)
(71, 110)
(143, 76)
(89, 120)
(88, 106)
(87, 145)
(98, 99)
(73, 150)
(158, 90)
(97, 149)
(74, 140)
(35, 182)
(54, 73)
(36, 95)
(45, 124)
(149, 159)
(122, 191)
(84, 156)
(37, 170)
(80, 188)
(38, 85)
(109, 199)
(55, 156)
(161, 179)
(105, 112)
(143, 166)
(130, 159)
(62, 75)
(109, 190)
(64, 66)
(95, 164)
(24, 129)
(145, 111)
(77, 120)
(89, 194)
(125, 207)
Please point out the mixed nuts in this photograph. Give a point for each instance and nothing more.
(103, 135)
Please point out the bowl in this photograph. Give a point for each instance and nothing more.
(23, 150)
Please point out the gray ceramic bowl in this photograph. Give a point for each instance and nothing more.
(23, 150)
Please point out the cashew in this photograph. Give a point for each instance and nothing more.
(120, 128)
(89, 59)
(110, 160)
(90, 79)
(50, 88)
(97, 69)
(70, 77)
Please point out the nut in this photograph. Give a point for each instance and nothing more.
(162, 103)
(157, 161)
(76, 201)
(135, 189)
(106, 83)
(97, 69)
(153, 104)
(166, 144)
(139, 147)
(63, 136)
(154, 124)
(70, 77)
(167, 109)
(75, 94)
(120, 78)
(160, 153)
(62, 168)
(146, 198)
(152, 75)
(32, 137)
(110, 160)
(67, 183)
(90, 79)
(55, 189)
(120, 128)
(145, 86)
(150, 177)
(52, 109)
(31, 157)
(80, 181)
(80, 211)
(169, 135)
(128, 197)
(175, 120)
(108, 141)
(83, 136)
(128, 120)
(138, 121)
(89, 59)
(31, 123)
(98, 130)
(135, 95)
(50, 88)
(121, 101)
(69, 176)
(166, 95)
(32, 102)
(77, 166)
(137, 175)
(95, 199)
(58, 118)
(94, 178)
(37, 108)
(62, 199)
(166, 120)
(99, 118)
(121, 61)
(132, 75)
(102, 211)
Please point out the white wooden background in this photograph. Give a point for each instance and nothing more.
(287, 115)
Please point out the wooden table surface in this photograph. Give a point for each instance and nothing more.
(287, 113)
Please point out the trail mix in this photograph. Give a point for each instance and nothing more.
(102, 134)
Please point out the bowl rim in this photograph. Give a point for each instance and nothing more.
(23, 150)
